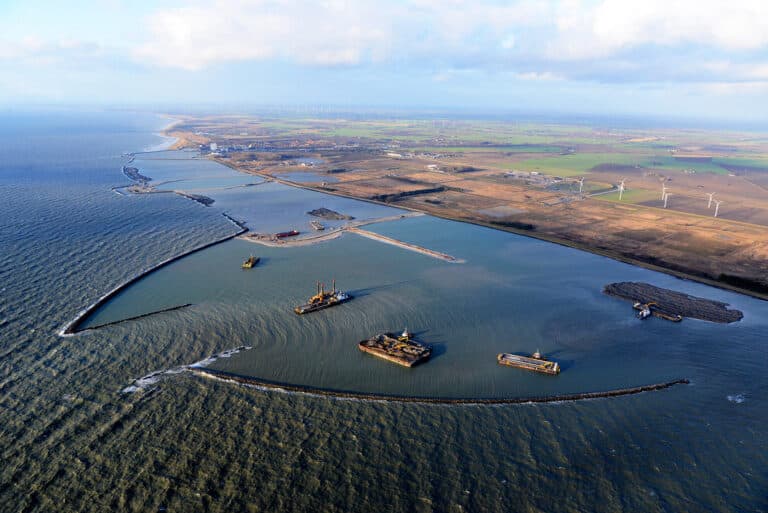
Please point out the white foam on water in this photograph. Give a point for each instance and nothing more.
(737, 398)
(224, 354)
(153, 378)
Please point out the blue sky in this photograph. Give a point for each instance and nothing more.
(685, 58)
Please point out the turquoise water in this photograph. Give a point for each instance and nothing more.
(72, 440)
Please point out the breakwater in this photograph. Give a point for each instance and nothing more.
(406, 245)
(364, 396)
(148, 314)
(73, 326)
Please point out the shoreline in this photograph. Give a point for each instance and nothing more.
(527, 233)
(371, 396)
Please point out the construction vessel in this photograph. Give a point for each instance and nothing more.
(535, 362)
(317, 225)
(645, 310)
(402, 349)
(252, 260)
(323, 299)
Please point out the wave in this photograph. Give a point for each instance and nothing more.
(144, 382)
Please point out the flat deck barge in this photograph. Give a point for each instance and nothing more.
(402, 349)
(533, 363)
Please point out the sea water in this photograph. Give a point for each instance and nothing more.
(74, 439)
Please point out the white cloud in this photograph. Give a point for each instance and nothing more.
(38, 50)
(610, 26)
(331, 32)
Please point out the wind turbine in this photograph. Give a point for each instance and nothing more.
(710, 194)
(717, 207)
(663, 191)
(621, 189)
(666, 197)
(581, 184)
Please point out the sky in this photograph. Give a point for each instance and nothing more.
(696, 59)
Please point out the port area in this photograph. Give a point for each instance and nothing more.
(401, 350)
(672, 305)
(528, 363)
(352, 227)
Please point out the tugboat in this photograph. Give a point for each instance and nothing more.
(252, 260)
(535, 362)
(643, 309)
(402, 349)
(323, 299)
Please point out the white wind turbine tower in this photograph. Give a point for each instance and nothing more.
(717, 207)
(581, 184)
(666, 197)
(663, 191)
(621, 189)
(710, 194)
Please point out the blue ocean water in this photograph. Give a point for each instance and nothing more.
(72, 440)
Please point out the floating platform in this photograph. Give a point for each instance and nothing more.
(532, 363)
(402, 350)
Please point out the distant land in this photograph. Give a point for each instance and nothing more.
(693, 203)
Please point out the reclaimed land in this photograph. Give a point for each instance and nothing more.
(364, 396)
(527, 179)
(673, 303)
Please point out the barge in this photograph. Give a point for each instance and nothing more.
(290, 233)
(323, 299)
(400, 349)
(535, 362)
(252, 260)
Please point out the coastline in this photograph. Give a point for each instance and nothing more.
(527, 233)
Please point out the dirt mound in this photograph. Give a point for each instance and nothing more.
(674, 303)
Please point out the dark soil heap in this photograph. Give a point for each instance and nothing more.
(674, 303)
(329, 214)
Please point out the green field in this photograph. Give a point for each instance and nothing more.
(527, 148)
(582, 163)
(630, 196)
